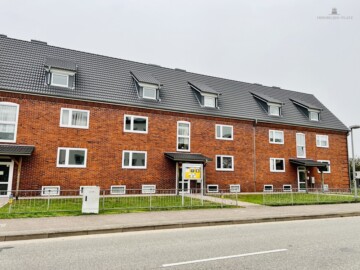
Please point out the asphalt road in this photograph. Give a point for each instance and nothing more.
(310, 244)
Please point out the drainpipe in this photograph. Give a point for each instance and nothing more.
(254, 152)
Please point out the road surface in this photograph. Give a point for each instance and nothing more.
(310, 244)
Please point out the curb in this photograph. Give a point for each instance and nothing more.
(18, 237)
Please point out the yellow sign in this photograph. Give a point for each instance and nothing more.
(193, 173)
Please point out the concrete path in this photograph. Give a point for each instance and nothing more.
(32, 228)
(3, 201)
(219, 200)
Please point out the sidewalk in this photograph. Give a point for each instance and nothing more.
(34, 228)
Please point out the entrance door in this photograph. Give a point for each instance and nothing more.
(186, 186)
(6, 171)
(301, 172)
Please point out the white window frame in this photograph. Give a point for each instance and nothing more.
(130, 158)
(67, 165)
(144, 191)
(221, 160)
(237, 186)
(132, 123)
(272, 133)
(11, 123)
(287, 188)
(149, 88)
(43, 188)
(221, 132)
(319, 138)
(265, 190)
(59, 73)
(118, 193)
(183, 136)
(212, 185)
(273, 164)
(277, 106)
(311, 112)
(329, 166)
(70, 118)
(297, 144)
(206, 104)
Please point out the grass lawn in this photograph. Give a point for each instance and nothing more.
(292, 198)
(40, 207)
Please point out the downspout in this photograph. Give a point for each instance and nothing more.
(254, 151)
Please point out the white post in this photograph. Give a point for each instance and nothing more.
(183, 193)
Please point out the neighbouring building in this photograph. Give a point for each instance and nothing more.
(70, 119)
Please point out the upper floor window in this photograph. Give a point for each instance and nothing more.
(322, 141)
(224, 163)
(314, 115)
(74, 118)
(300, 145)
(276, 136)
(277, 165)
(134, 159)
(224, 132)
(209, 101)
(72, 157)
(274, 109)
(183, 136)
(8, 121)
(134, 123)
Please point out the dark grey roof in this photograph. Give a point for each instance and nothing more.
(307, 162)
(16, 150)
(305, 104)
(106, 79)
(144, 77)
(60, 64)
(187, 157)
(203, 88)
(266, 98)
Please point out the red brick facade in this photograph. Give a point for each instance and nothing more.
(38, 125)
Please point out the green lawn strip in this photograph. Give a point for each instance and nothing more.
(110, 205)
(274, 199)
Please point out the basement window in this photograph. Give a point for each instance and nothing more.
(287, 188)
(118, 190)
(268, 188)
(148, 189)
(234, 188)
(50, 190)
(212, 188)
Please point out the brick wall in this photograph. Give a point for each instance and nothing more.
(105, 140)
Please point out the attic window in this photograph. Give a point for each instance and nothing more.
(60, 73)
(209, 101)
(207, 96)
(314, 115)
(271, 105)
(274, 110)
(148, 87)
(309, 110)
(58, 79)
(149, 92)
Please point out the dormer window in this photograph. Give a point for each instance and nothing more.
(206, 96)
(147, 86)
(309, 110)
(314, 115)
(271, 105)
(60, 73)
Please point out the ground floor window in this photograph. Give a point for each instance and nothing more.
(71, 157)
(277, 165)
(224, 163)
(327, 162)
(134, 159)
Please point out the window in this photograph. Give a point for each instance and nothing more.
(322, 141)
(274, 110)
(268, 188)
(8, 121)
(118, 190)
(212, 188)
(224, 163)
(277, 165)
(50, 190)
(74, 118)
(234, 188)
(209, 101)
(134, 159)
(59, 79)
(314, 116)
(134, 123)
(276, 136)
(300, 145)
(328, 166)
(224, 132)
(183, 136)
(148, 189)
(287, 188)
(149, 92)
(71, 157)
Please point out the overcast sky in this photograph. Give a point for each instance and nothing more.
(276, 43)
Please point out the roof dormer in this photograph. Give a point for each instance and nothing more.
(207, 96)
(60, 73)
(309, 110)
(148, 86)
(272, 106)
